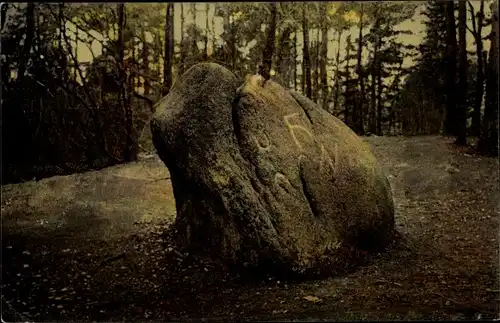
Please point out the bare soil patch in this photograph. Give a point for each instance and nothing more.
(92, 246)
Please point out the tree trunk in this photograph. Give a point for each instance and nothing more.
(226, 27)
(317, 87)
(129, 153)
(488, 142)
(105, 42)
(373, 102)
(145, 65)
(76, 53)
(61, 26)
(23, 127)
(462, 75)
(207, 25)
(379, 99)
(232, 45)
(303, 73)
(295, 54)
(282, 50)
(159, 59)
(451, 69)
(265, 68)
(182, 54)
(306, 62)
(30, 31)
(213, 28)
(3, 14)
(478, 100)
(378, 73)
(323, 57)
(347, 106)
(62, 29)
(394, 88)
(314, 71)
(376, 81)
(337, 77)
(136, 80)
(194, 45)
(361, 82)
(169, 49)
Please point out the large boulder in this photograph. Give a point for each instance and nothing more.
(263, 176)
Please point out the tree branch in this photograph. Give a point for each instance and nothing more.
(471, 9)
(103, 44)
(87, 94)
(480, 19)
(471, 31)
(148, 100)
(139, 73)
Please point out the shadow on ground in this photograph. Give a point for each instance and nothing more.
(92, 246)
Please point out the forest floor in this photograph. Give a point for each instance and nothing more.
(90, 247)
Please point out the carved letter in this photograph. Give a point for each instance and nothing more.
(293, 127)
(301, 157)
(266, 146)
(325, 158)
(282, 182)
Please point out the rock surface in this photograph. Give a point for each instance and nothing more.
(262, 176)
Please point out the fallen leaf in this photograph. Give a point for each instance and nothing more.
(313, 299)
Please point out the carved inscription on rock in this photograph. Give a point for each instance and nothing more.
(263, 145)
(282, 181)
(294, 127)
(325, 158)
(325, 161)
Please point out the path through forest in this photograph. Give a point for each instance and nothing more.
(90, 247)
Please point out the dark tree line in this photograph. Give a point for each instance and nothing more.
(445, 66)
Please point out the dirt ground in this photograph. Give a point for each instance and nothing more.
(92, 247)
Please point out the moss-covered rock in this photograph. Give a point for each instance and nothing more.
(261, 175)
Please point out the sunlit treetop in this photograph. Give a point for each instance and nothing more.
(351, 16)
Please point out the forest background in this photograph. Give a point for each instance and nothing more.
(79, 81)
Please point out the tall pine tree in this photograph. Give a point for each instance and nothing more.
(431, 67)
